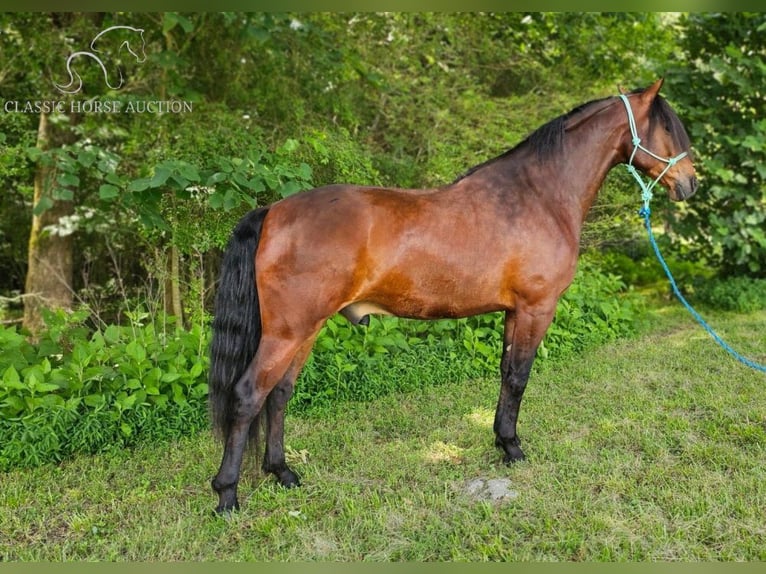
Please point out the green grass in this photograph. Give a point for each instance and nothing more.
(652, 448)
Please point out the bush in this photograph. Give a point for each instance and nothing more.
(82, 391)
(76, 392)
(740, 294)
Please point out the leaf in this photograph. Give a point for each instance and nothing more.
(215, 200)
(95, 400)
(135, 351)
(112, 334)
(63, 194)
(139, 184)
(255, 184)
(161, 175)
(68, 180)
(169, 21)
(231, 199)
(11, 379)
(304, 172)
(217, 177)
(43, 205)
(170, 377)
(173, 19)
(34, 153)
(115, 179)
(189, 172)
(290, 188)
(46, 387)
(196, 370)
(86, 158)
(126, 401)
(108, 191)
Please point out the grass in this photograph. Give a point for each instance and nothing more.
(652, 448)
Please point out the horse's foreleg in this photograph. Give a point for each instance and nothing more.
(524, 331)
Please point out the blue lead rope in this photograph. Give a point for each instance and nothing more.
(645, 212)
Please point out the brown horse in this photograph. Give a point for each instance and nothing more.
(503, 237)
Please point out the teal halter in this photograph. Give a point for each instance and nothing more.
(646, 190)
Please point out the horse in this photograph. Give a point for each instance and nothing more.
(75, 81)
(504, 236)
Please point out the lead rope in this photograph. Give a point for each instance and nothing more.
(645, 212)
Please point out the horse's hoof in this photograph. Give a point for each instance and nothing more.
(514, 454)
(289, 479)
(512, 450)
(225, 510)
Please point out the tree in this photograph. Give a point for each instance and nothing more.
(35, 41)
(719, 90)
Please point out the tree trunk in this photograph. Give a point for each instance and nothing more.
(49, 274)
(173, 301)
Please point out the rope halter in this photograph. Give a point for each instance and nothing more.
(646, 190)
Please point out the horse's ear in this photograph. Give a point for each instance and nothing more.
(651, 92)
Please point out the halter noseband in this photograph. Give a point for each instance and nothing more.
(646, 190)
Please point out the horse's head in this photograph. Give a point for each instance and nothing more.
(132, 40)
(136, 46)
(658, 144)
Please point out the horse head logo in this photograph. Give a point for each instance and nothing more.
(134, 45)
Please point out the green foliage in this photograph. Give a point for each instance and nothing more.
(182, 198)
(593, 311)
(739, 294)
(337, 157)
(637, 265)
(80, 392)
(718, 88)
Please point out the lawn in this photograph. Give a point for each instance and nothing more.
(652, 448)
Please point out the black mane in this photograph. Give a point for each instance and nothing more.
(547, 140)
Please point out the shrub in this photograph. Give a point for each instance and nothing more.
(741, 294)
(76, 392)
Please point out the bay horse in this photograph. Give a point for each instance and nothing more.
(502, 237)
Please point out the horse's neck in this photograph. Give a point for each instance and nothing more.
(566, 182)
(574, 175)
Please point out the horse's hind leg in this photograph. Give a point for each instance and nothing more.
(267, 369)
(524, 330)
(274, 456)
(247, 407)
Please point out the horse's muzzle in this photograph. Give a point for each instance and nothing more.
(684, 189)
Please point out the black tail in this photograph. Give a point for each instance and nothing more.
(237, 322)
